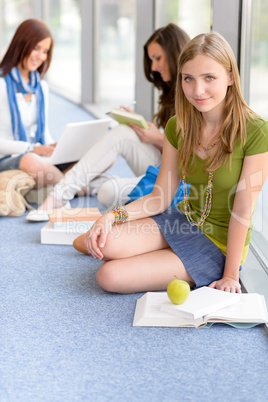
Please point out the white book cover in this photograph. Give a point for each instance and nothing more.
(149, 314)
(201, 302)
(65, 225)
(64, 235)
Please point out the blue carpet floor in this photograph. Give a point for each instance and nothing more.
(62, 338)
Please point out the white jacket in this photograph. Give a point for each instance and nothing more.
(8, 146)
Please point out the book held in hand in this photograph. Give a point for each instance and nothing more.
(125, 117)
(242, 310)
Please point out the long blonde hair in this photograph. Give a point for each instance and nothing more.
(190, 120)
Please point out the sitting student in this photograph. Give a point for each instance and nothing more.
(140, 147)
(24, 134)
(219, 145)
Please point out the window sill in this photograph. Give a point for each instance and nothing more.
(253, 277)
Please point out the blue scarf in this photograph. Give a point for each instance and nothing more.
(15, 83)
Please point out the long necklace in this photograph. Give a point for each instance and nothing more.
(202, 148)
(207, 207)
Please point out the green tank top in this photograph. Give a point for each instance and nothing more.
(225, 180)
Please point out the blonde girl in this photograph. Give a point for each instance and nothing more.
(220, 146)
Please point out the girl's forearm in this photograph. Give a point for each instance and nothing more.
(149, 205)
(235, 245)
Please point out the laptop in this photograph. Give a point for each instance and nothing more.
(76, 140)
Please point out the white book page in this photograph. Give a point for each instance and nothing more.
(251, 308)
(201, 302)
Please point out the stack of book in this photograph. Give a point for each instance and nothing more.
(66, 224)
(203, 307)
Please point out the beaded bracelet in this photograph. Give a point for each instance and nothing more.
(120, 214)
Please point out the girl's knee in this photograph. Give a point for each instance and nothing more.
(43, 172)
(108, 277)
(25, 161)
(112, 249)
(31, 163)
(123, 132)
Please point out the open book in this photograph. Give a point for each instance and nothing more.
(247, 311)
(125, 117)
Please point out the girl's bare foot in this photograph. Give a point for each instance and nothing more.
(50, 203)
(79, 245)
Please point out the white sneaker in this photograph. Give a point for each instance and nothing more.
(37, 215)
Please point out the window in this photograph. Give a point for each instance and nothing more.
(259, 59)
(194, 16)
(12, 14)
(115, 52)
(258, 95)
(65, 24)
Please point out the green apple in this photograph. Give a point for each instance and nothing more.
(178, 291)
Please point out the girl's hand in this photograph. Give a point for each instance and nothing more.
(44, 150)
(150, 136)
(96, 236)
(226, 284)
(127, 109)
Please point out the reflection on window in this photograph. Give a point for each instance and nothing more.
(259, 103)
(259, 59)
(194, 16)
(116, 52)
(65, 24)
(13, 13)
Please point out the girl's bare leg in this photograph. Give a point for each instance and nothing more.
(146, 272)
(139, 260)
(50, 203)
(43, 173)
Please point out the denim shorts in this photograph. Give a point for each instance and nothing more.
(202, 259)
(10, 162)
